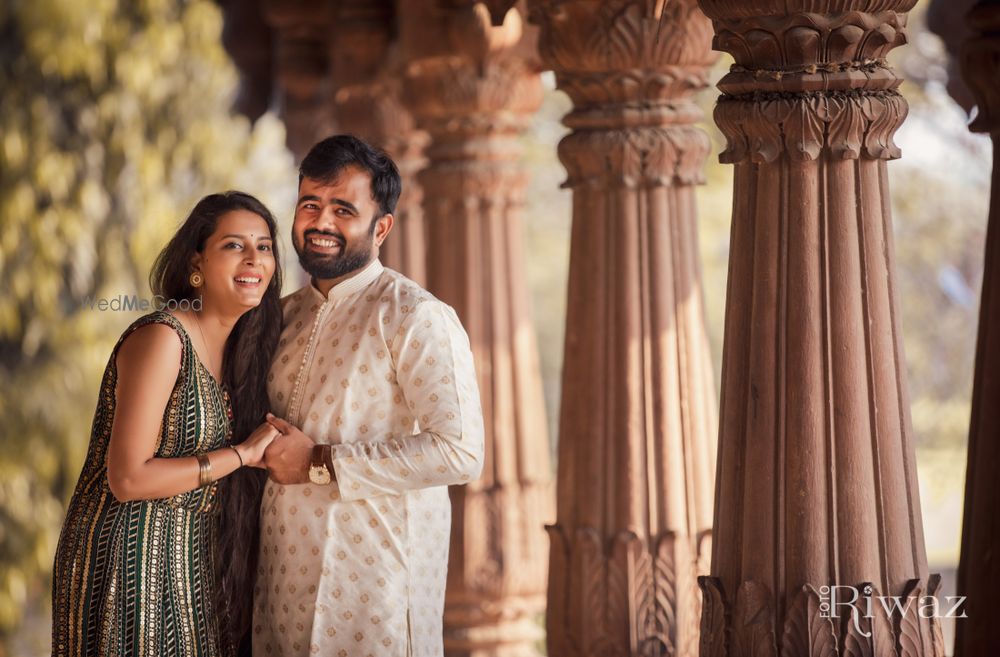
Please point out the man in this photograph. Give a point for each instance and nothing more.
(380, 411)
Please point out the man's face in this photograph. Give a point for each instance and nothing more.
(337, 225)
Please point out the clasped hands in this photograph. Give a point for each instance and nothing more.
(282, 448)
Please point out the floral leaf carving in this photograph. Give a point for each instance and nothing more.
(753, 622)
(807, 632)
(713, 618)
(910, 641)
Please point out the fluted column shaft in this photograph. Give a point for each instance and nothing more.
(638, 420)
(817, 476)
(474, 99)
(979, 566)
(366, 103)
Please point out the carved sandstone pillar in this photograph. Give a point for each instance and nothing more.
(638, 422)
(979, 567)
(299, 33)
(367, 104)
(817, 479)
(468, 87)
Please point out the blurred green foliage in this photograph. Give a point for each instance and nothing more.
(115, 120)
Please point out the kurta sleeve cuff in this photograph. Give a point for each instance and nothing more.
(437, 378)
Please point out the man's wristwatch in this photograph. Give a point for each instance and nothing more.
(320, 470)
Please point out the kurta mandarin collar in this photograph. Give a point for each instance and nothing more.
(352, 285)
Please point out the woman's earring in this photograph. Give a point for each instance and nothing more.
(196, 279)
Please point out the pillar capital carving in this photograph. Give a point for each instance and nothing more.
(486, 83)
(739, 9)
(621, 64)
(625, 38)
(474, 117)
(806, 84)
(831, 46)
(842, 126)
(634, 158)
(630, 69)
(474, 103)
(456, 96)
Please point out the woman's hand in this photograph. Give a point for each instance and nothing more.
(252, 449)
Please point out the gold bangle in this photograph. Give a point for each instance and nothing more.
(204, 470)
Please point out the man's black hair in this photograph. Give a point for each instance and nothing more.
(329, 157)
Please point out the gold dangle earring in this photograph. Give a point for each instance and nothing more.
(196, 279)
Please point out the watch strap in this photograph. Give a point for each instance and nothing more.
(322, 457)
(318, 459)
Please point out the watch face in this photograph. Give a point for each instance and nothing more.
(318, 474)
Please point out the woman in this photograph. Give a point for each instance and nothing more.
(138, 568)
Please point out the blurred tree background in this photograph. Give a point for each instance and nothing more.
(115, 119)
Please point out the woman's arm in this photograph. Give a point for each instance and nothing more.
(148, 363)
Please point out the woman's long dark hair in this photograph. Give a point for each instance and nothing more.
(245, 365)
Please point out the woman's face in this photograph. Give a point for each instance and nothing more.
(237, 261)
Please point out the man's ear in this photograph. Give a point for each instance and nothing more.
(382, 227)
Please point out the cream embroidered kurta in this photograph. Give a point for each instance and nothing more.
(383, 371)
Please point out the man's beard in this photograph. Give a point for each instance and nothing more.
(326, 267)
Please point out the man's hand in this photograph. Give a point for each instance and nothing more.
(288, 456)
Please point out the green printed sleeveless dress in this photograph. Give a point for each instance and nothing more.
(138, 578)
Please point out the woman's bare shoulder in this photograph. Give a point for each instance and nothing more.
(154, 345)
